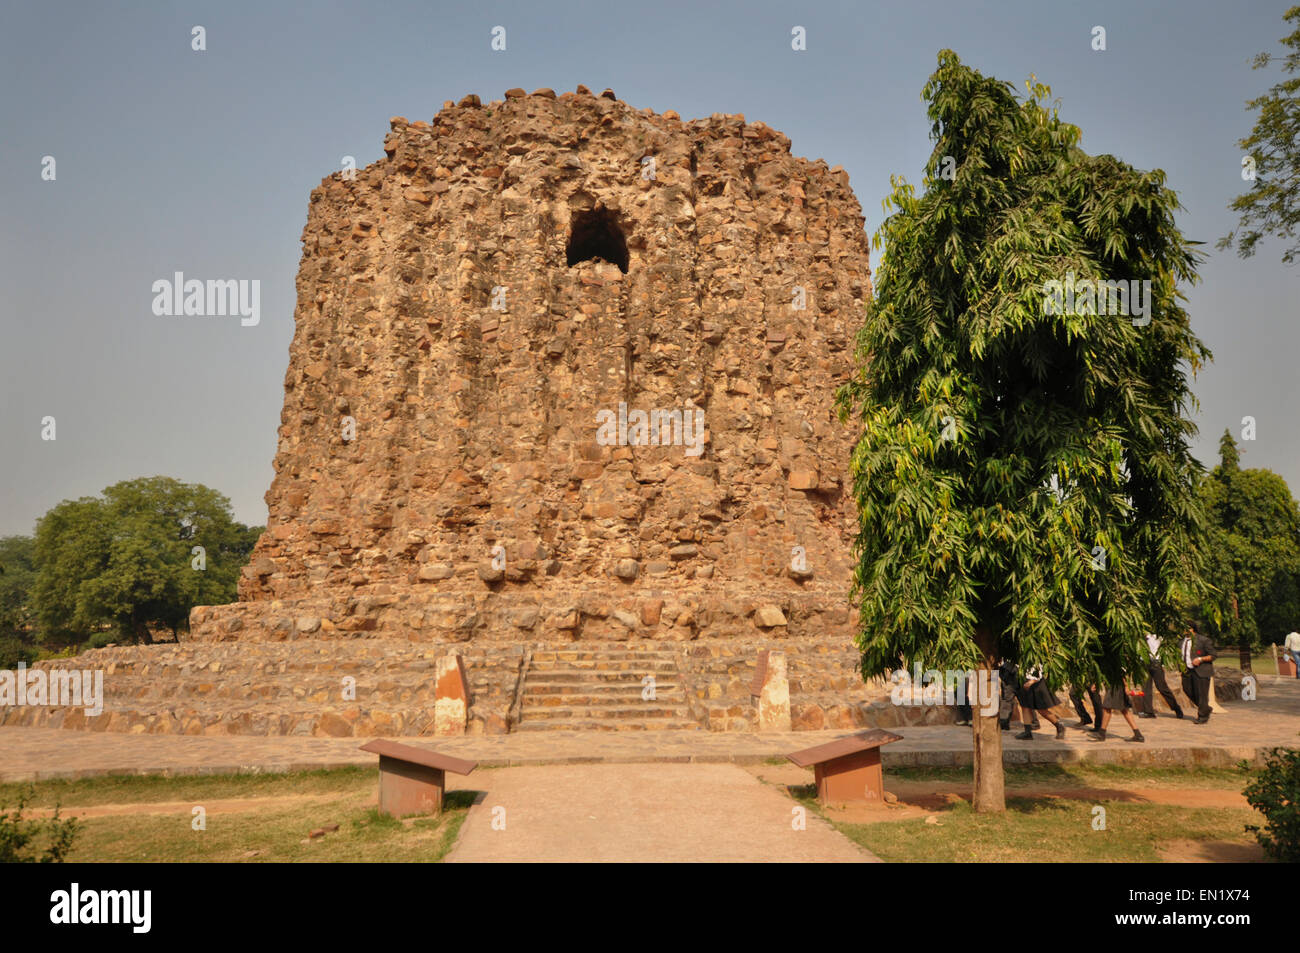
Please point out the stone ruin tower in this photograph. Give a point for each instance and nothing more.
(467, 308)
(471, 309)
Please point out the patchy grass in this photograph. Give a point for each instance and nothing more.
(1086, 774)
(272, 824)
(1045, 830)
(139, 789)
(1054, 829)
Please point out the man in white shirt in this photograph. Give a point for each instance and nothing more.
(1197, 652)
(1292, 645)
(1156, 679)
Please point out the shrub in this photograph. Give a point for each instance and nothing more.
(13, 651)
(1275, 793)
(101, 639)
(18, 836)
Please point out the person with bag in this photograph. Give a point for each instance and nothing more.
(1292, 645)
(1115, 699)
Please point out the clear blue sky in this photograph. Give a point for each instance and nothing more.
(173, 160)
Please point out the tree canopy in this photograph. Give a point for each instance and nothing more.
(17, 576)
(1254, 552)
(1272, 205)
(129, 558)
(1023, 476)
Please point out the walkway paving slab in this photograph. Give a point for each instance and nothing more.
(646, 813)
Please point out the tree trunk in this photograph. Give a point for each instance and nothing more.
(990, 789)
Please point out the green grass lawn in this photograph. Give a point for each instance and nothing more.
(249, 832)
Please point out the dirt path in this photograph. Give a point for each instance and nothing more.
(1210, 852)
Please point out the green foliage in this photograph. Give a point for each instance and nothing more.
(101, 639)
(1253, 552)
(1272, 206)
(1275, 792)
(17, 576)
(18, 837)
(127, 558)
(14, 650)
(1001, 445)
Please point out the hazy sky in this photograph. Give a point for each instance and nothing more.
(174, 160)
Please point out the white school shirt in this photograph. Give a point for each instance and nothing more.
(1293, 642)
(1187, 651)
(1153, 646)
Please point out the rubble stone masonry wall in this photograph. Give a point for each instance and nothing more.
(468, 464)
(442, 474)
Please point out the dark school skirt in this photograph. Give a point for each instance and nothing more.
(1036, 696)
(1116, 699)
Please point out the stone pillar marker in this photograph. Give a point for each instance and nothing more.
(1215, 707)
(773, 691)
(451, 697)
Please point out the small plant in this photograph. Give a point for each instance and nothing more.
(100, 639)
(376, 821)
(18, 836)
(1275, 793)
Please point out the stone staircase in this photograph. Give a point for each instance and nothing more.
(603, 687)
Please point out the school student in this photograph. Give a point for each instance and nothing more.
(1156, 679)
(1034, 697)
(1115, 699)
(1007, 704)
(965, 713)
(1087, 722)
(1197, 653)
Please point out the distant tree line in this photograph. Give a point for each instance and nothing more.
(119, 567)
(1253, 554)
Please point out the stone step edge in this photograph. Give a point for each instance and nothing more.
(1209, 756)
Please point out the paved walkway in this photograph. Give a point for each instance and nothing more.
(1241, 731)
(670, 813)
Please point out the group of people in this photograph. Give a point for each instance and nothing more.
(1030, 693)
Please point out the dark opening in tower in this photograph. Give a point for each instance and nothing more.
(596, 234)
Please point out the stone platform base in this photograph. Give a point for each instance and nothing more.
(499, 613)
(366, 686)
(363, 686)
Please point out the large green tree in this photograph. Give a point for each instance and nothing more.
(1254, 553)
(1272, 205)
(129, 558)
(17, 576)
(1023, 478)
